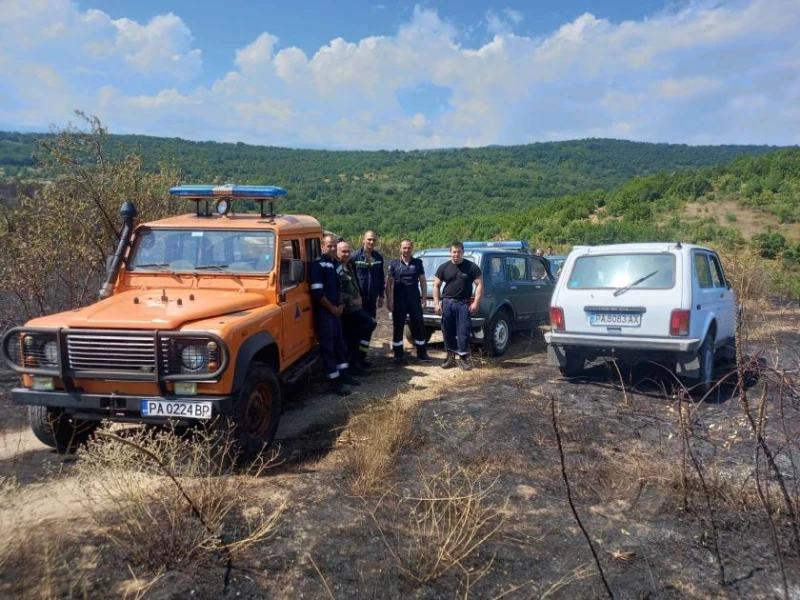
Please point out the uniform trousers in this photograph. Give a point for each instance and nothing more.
(357, 327)
(456, 325)
(407, 303)
(331, 342)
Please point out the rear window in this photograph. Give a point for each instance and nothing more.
(431, 263)
(618, 270)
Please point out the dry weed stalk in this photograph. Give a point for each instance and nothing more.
(569, 497)
(686, 436)
(167, 500)
(379, 436)
(444, 526)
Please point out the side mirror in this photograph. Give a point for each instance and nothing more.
(297, 271)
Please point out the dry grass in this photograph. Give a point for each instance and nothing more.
(377, 438)
(444, 526)
(166, 501)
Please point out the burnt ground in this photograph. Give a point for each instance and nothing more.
(656, 499)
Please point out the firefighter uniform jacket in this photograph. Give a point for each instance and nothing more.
(370, 275)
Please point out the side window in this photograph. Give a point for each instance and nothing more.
(290, 249)
(496, 272)
(538, 270)
(313, 252)
(716, 272)
(516, 268)
(702, 271)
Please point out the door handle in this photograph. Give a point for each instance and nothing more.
(513, 287)
(538, 287)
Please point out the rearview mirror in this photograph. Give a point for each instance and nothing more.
(297, 271)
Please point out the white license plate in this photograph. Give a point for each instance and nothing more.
(615, 319)
(177, 409)
(429, 303)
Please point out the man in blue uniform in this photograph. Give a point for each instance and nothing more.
(326, 291)
(368, 264)
(406, 289)
(458, 306)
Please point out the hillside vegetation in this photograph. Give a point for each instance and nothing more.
(399, 193)
(655, 207)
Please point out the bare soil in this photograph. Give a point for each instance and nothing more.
(652, 520)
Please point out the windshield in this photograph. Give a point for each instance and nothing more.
(203, 250)
(431, 263)
(620, 270)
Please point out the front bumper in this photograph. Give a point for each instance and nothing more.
(623, 342)
(113, 407)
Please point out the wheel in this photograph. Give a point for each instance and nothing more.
(256, 412)
(706, 380)
(497, 334)
(54, 428)
(573, 365)
(410, 338)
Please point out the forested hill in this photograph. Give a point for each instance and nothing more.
(400, 193)
(754, 198)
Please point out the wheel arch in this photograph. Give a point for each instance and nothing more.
(260, 347)
(507, 307)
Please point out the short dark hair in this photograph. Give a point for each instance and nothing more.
(458, 245)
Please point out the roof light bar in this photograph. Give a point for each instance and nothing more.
(515, 245)
(204, 192)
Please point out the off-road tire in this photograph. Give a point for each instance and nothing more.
(54, 428)
(574, 364)
(705, 382)
(256, 412)
(497, 334)
(410, 338)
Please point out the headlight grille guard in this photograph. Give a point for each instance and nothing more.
(115, 354)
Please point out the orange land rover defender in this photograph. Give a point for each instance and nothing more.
(202, 316)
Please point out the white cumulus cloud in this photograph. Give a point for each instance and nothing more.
(679, 76)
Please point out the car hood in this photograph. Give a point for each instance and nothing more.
(148, 310)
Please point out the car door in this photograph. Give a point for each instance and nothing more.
(521, 290)
(726, 319)
(542, 289)
(295, 302)
(708, 300)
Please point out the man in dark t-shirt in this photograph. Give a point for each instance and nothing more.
(458, 304)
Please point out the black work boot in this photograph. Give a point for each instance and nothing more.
(449, 362)
(356, 369)
(337, 387)
(398, 355)
(463, 363)
(346, 378)
(361, 361)
(422, 354)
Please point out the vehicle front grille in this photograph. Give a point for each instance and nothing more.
(110, 352)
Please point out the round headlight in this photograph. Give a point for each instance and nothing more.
(50, 350)
(193, 357)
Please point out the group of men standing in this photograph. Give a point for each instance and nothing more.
(348, 288)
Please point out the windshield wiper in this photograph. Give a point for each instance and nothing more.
(161, 266)
(217, 267)
(622, 290)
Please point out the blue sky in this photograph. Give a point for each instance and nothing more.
(355, 74)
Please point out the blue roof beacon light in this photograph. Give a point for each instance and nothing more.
(226, 194)
(521, 245)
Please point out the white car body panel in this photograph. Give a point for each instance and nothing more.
(583, 291)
